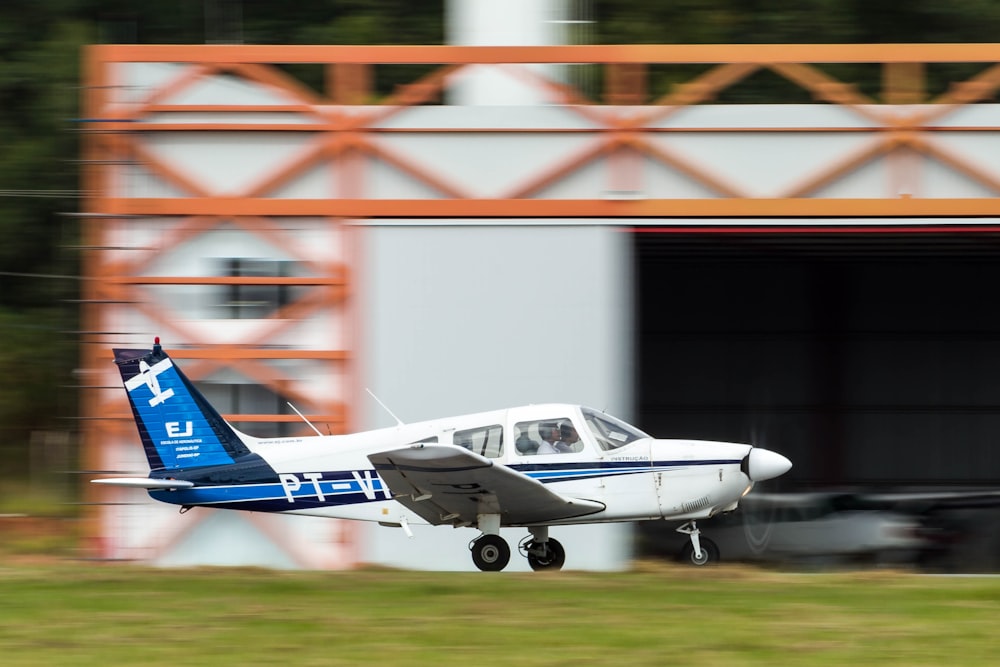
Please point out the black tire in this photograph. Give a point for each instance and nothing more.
(552, 560)
(490, 553)
(709, 553)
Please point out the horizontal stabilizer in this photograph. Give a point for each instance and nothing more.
(145, 483)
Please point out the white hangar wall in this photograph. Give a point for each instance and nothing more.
(470, 317)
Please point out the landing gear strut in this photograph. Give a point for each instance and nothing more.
(700, 550)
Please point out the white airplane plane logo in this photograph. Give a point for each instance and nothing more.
(533, 466)
(148, 376)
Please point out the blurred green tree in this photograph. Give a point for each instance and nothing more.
(39, 88)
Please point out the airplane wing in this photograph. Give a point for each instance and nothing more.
(446, 484)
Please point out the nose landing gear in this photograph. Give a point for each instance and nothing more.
(700, 550)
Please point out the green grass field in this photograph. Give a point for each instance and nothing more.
(90, 614)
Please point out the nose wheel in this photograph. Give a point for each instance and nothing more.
(700, 551)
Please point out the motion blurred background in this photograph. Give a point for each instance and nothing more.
(716, 269)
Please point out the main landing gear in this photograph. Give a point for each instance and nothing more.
(542, 551)
(700, 550)
(490, 552)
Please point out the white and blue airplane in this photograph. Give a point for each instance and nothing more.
(534, 466)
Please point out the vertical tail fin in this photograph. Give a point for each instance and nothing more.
(178, 427)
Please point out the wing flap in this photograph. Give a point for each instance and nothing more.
(445, 484)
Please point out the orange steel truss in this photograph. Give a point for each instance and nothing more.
(342, 129)
(351, 134)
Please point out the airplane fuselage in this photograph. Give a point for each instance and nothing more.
(331, 476)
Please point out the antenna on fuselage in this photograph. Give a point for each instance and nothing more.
(304, 418)
(399, 422)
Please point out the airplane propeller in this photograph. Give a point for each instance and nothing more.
(764, 468)
(760, 465)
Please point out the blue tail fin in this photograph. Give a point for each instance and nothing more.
(178, 427)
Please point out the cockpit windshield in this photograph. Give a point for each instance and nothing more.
(609, 432)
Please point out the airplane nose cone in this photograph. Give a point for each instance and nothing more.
(761, 464)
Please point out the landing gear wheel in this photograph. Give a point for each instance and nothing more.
(709, 553)
(553, 558)
(490, 553)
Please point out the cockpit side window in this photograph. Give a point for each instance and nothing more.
(484, 440)
(609, 432)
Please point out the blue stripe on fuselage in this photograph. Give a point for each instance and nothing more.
(345, 487)
(342, 487)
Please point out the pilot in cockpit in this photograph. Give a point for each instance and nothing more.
(549, 433)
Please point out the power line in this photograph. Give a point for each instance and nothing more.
(14, 274)
(40, 194)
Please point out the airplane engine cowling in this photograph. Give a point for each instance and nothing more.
(762, 464)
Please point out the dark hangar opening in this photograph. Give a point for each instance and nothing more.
(867, 358)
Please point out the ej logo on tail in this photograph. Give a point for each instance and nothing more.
(174, 429)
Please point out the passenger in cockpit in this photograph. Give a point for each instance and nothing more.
(569, 439)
